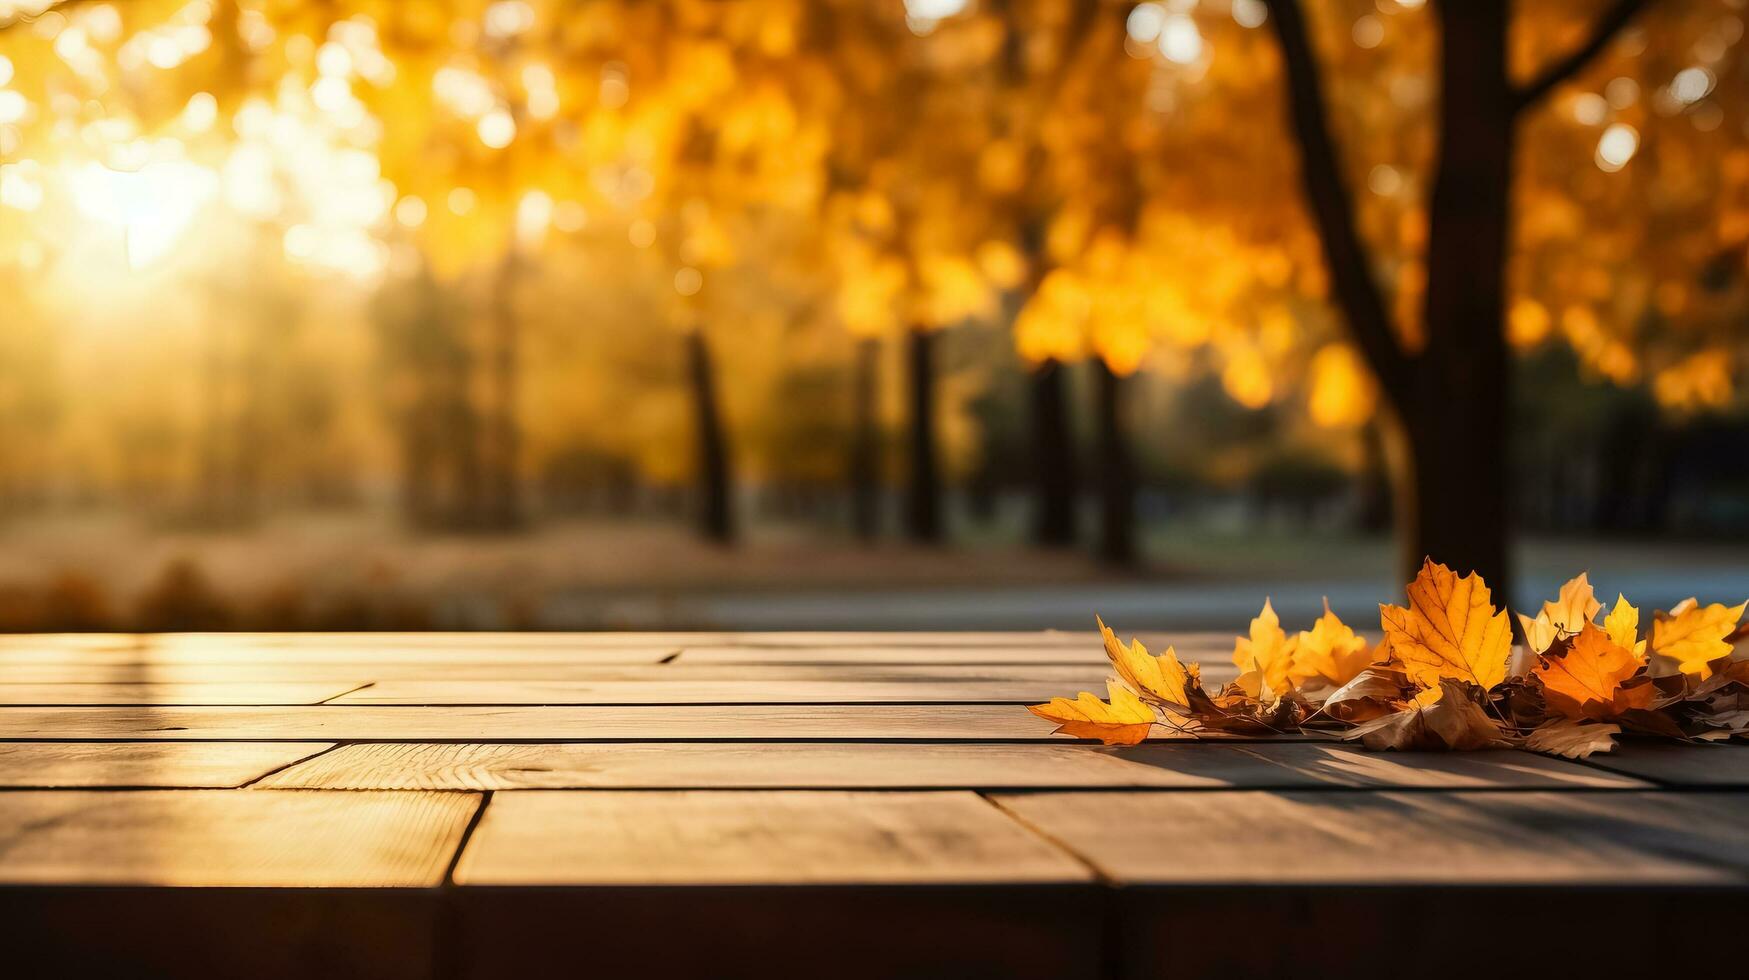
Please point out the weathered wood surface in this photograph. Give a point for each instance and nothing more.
(865, 765)
(1681, 765)
(1253, 838)
(870, 804)
(68, 765)
(230, 838)
(744, 838)
(125, 693)
(726, 692)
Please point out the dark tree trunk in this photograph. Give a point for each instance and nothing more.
(1455, 411)
(716, 513)
(1375, 478)
(1054, 457)
(1451, 396)
(1117, 474)
(923, 510)
(865, 474)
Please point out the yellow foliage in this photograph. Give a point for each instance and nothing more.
(1450, 629)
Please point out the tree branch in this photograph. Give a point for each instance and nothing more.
(1604, 31)
(1327, 194)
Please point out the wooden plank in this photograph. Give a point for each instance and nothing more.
(1071, 676)
(988, 766)
(746, 838)
(343, 654)
(1436, 838)
(780, 766)
(475, 641)
(678, 691)
(1345, 765)
(641, 723)
(230, 838)
(1680, 765)
(68, 765)
(125, 693)
(917, 654)
(260, 933)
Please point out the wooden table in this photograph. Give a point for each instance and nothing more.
(793, 804)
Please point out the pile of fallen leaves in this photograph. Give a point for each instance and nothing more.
(1446, 676)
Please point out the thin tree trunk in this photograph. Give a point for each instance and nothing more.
(1054, 457)
(923, 513)
(716, 514)
(865, 447)
(1117, 475)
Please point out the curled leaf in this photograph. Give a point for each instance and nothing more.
(1573, 739)
(1158, 680)
(1446, 718)
(1374, 692)
(1563, 618)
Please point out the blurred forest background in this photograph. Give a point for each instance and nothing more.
(694, 313)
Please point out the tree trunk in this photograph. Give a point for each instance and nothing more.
(1054, 457)
(716, 514)
(1455, 411)
(1117, 475)
(923, 512)
(865, 445)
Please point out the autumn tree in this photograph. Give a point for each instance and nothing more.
(1448, 389)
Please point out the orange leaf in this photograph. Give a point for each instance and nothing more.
(1451, 629)
(1124, 721)
(1585, 681)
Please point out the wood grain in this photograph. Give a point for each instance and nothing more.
(389, 723)
(57, 765)
(678, 691)
(125, 693)
(781, 765)
(1216, 662)
(230, 837)
(1433, 838)
(1680, 765)
(1068, 675)
(1346, 765)
(737, 838)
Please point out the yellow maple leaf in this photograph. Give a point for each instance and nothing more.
(1330, 650)
(1587, 681)
(1450, 629)
(1123, 721)
(1576, 606)
(1265, 657)
(1623, 626)
(1692, 635)
(1160, 680)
